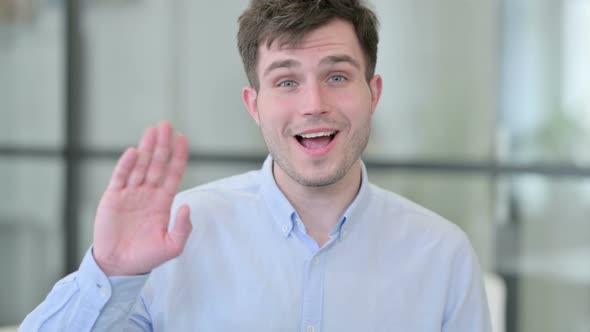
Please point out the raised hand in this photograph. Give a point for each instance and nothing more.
(131, 228)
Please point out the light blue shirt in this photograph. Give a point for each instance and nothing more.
(249, 265)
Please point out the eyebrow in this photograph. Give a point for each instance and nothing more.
(289, 63)
(327, 61)
(334, 59)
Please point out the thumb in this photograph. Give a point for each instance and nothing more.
(180, 231)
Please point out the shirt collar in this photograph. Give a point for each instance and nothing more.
(284, 215)
(357, 208)
(279, 206)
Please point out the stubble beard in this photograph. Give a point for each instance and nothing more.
(357, 145)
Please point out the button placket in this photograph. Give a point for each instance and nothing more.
(313, 293)
(316, 260)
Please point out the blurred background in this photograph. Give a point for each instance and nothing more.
(485, 119)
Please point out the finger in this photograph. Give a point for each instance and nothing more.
(180, 231)
(161, 154)
(146, 149)
(177, 165)
(123, 169)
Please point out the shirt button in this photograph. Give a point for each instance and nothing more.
(316, 261)
(103, 291)
(310, 328)
(285, 228)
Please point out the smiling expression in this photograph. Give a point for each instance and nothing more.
(314, 105)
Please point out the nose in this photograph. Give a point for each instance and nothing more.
(313, 100)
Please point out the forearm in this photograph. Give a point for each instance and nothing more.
(89, 301)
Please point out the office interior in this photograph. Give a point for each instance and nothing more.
(484, 119)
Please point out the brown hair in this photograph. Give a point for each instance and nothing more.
(289, 21)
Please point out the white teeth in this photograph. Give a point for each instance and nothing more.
(320, 134)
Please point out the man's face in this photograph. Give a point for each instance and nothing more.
(314, 105)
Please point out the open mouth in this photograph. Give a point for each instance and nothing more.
(316, 140)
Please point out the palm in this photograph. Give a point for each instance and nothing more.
(131, 234)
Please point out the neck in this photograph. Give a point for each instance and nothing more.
(320, 208)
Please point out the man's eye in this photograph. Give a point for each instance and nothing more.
(337, 78)
(287, 84)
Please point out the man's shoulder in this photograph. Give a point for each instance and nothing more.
(417, 220)
(240, 185)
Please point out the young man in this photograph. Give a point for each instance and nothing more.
(304, 244)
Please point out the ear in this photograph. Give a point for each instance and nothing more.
(249, 98)
(376, 86)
